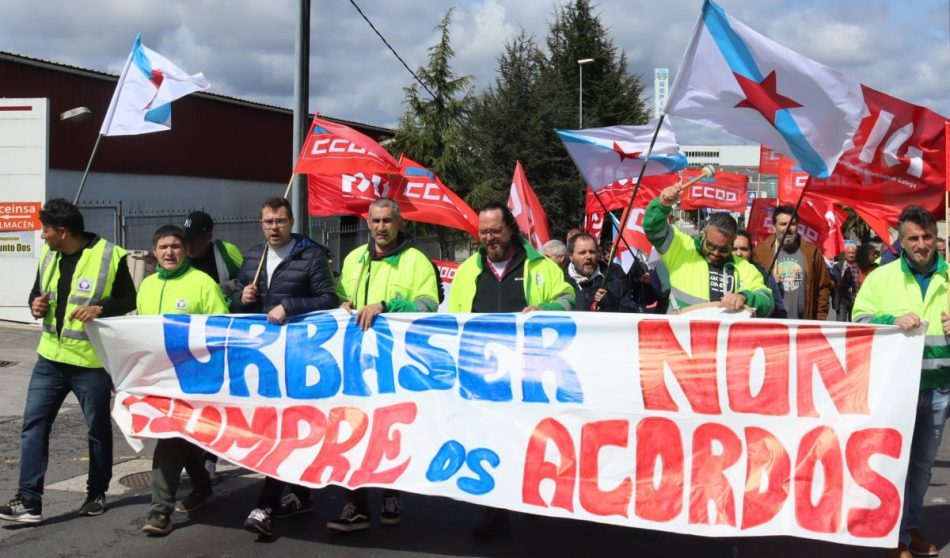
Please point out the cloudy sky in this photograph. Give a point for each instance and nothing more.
(246, 47)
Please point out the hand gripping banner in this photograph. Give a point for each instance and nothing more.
(713, 426)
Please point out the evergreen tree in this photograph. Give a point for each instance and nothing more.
(534, 93)
(432, 131)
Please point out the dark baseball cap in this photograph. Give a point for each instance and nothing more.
(197, 225)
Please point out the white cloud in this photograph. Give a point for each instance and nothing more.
(246, 47)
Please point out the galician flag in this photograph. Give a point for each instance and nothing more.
(148, 85)
(739, 81)
(606, 155)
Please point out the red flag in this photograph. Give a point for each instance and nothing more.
(421, 196)
(820, 223)
(593, 217)
(332, 148)
(769, 160)
(946, 135)
(725, 190)
(527, 209)
(617, 195)
(760, 219)
(898, 159)
(633, 234)
(791, 181)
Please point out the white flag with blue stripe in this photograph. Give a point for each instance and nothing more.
(606, 155)
(142, 99)
(739, 81)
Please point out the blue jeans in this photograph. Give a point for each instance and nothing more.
(932, 406)
(50, 383)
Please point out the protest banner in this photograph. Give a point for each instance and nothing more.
(713, 426)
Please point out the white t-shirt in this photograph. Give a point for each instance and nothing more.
(275, 256)
(498, 268)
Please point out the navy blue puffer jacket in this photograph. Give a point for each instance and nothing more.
(302, 283)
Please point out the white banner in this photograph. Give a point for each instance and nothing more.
(707, 426)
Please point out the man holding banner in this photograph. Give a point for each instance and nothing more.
(910, 294)
(798, 266)
(388, 274)
(176, 288)
(703, 269)
(294, 279)
(506, 275)
(81, 277)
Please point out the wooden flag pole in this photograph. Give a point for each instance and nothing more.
(260, 264)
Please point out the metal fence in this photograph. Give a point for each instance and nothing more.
(134, 230)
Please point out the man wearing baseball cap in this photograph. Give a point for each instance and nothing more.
(219, 259)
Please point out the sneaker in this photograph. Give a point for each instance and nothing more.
(392, 511)
(291, 505)
(259, 522)
(194, 501)
(157, 524)
(351, 519)
(493, 524)
(211, 467)
(21, 511)
(95, 504)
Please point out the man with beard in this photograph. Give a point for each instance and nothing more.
(799, 267)
(506, 274)
(703, 269)
(583, 273)
(386, 275)
(912, 293)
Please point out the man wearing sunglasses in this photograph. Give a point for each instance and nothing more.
(703, 269)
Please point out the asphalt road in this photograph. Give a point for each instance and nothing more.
(431, 526)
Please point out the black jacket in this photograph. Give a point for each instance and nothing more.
(613, 301)
(302, 283)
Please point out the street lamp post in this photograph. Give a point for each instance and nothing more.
(580, 90)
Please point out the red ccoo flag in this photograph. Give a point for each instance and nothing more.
(769, 160)
(332, 148)
(791, 182)
(420, 194)
(725, 190)
(527, 209)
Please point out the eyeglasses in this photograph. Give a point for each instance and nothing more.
(279, 222)
(724, 250)
(491, 232)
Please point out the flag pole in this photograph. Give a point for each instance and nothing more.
(785, 234)
(85, 174)
(636, 188)
(260, 264)
(607, 212)
(596, 305)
